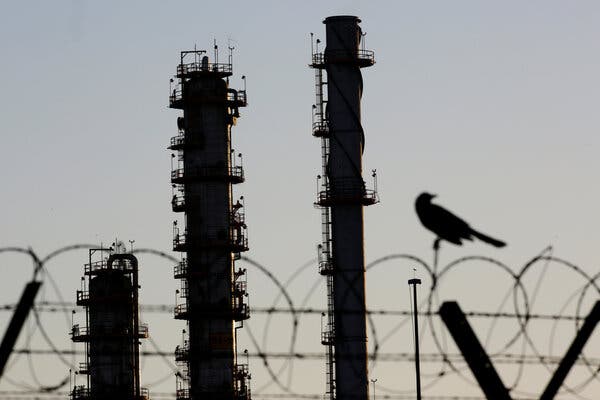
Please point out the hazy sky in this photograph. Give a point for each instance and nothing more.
(491, 105)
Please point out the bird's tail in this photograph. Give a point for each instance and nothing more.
(488, 239)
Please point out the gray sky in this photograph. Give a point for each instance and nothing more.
(491, 105)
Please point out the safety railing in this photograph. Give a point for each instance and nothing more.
(182, 352)
(182, 394)
(236, 241)
(121, 265)
(237, 98)
(180, 270)
(144, 394)
(241, 378)
(84, 368)
(327, 337)
(178, 202)
(362, 58)
(181, 311)
(199, 67)
(320, 129)
(233, 174)
(83, 296)
(80, 392)
(83, 333)
(177, 142)
(346, 191)
(325, 262)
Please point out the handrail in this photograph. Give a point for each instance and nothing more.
(208, 172)
(103, 265)
(346, 190)
(144, 393)
(177, 140)
(336, 55)
(180, 309)
(237, 96)
(80, 392)
(181, 268)
(80, 331)
(182, 394)
(237, 236)
(183, 69)
(178, 200)
(83, 295)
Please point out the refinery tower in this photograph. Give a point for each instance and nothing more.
(112, 330)
(212, 232)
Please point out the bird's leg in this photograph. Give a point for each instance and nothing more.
(436, 249)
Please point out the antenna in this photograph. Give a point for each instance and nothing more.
(216, 48)
(231, 48)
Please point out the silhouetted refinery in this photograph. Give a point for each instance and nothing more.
(111, 331)
(212, 233)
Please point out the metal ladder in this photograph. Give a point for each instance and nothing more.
(328, 336)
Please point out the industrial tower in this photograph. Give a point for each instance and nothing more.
(112, 330)
(213, 294)
(341, 197)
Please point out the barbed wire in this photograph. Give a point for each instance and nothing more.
(61, 307)
(449, 363)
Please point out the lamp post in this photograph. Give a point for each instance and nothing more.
(414, 282)
(373, 383)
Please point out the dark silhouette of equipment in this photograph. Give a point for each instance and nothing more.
(446, 225)
(18, 320)
(112, 331)
(475, 356)
(481, 366)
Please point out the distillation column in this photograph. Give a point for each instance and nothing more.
(345, 195)
(212, 292)
(112, 330)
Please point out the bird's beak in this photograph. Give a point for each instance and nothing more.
(433, 196)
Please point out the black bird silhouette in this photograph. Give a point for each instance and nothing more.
(446, 225)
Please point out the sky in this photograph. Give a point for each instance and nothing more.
(491, 105)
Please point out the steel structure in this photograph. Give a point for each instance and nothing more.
(341, 197)
(112, 330)
(212, 298)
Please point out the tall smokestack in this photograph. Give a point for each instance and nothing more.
(337, 122)
(213, 232)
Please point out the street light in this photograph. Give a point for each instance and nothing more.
(373, 382)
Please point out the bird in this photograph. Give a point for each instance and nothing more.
(446, 225)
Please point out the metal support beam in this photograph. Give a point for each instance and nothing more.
(17, 321)
(572, 353)
(474, 354)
